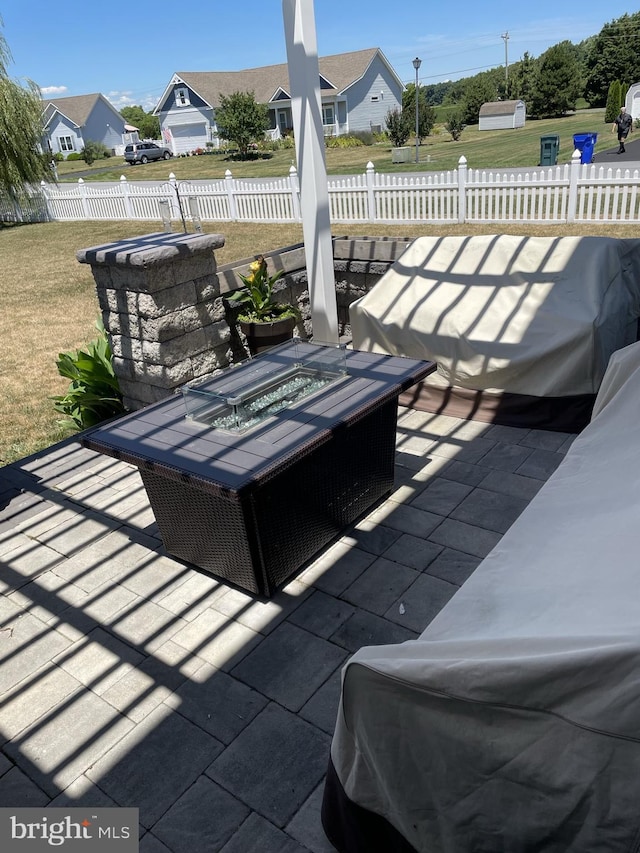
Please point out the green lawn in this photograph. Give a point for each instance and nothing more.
(486, 149)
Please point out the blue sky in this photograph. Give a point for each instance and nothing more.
(129, 50)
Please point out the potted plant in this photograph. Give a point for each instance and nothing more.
(264, 321)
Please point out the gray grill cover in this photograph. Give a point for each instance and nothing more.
(527, 315)
(513, 723)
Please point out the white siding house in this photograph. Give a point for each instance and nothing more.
(502, 115)
(358, 89)
(70, 122)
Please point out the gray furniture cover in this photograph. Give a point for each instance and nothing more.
(513, 723)
(534, 316)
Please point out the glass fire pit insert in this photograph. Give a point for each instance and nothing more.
(239, 403)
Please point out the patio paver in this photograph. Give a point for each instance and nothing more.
(130, 678)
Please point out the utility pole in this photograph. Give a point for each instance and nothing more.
(505, 36)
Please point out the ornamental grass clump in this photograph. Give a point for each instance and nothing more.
(256, 300)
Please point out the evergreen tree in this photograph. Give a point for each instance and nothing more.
(523, 80)
(614, 54)
(241, 120)
(613, 102)
(21, 160)
(558, 81)
(479, 91)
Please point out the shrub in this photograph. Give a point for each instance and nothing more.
(455, 125)
(94, 394)
(365, 136)
(74, 156)
(398, 127)
(342, 142)
(94, 151)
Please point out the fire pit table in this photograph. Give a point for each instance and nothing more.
(252, 472)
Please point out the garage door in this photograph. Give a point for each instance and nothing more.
(186, 137)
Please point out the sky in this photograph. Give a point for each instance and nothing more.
(128, 51)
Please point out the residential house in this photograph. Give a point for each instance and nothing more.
(357, 90)
(71, 122)
(502, 115)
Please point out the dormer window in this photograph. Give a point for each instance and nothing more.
(182, 97)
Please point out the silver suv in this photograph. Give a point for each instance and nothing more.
(142, 152)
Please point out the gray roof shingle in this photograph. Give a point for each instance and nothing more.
(341, 70)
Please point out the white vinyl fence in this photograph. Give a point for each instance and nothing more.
(572, 192)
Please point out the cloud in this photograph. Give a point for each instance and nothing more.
(127, 99)
(53, 90)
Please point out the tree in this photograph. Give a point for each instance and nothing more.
(480, 89)
(614, 54)
(614, 101)
(21, 159)
(241, 120)
(523, 80)
(426, 113)
(455, 125)
(398, 127)
(148, 125)
(558, 81)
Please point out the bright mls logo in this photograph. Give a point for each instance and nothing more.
(78, 829)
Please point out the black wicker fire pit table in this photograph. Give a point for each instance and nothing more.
(253, 471)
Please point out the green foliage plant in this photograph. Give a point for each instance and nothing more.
(613, 101)
(148, 125)
(94, 394)
(241, 120)
(455, 125)
(398, 127)
(343, 142)
(93, 151)
(256, 299)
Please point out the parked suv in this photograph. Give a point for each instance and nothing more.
(142, 152)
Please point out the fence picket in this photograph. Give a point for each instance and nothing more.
(565, 193)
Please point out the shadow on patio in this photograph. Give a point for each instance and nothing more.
(132, 679)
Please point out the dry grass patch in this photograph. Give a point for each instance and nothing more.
(48, 302)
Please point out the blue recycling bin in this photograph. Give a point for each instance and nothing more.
(585, 143)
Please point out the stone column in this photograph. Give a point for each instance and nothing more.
(161, 306)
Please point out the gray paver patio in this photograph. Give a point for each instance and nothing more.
(128, 678)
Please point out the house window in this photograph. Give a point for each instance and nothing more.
(374, 97)
(328, 116)
(182, 97)
(65, 143)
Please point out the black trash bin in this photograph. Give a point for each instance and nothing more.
(549, 147)
(585, 143)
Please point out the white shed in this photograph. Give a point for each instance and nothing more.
(502, 115)
(632, 101)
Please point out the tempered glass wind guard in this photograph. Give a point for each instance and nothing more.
(242, 397)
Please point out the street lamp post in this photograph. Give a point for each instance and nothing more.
(416, 64)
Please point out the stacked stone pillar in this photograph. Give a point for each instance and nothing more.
(161, 306)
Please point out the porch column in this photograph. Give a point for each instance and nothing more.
(304, 80)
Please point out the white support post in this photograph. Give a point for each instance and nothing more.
(371, 196)
(462, 189)
(124, 187)
(572, 202)
(83, 198)
(230, 186)
(295, 193)
(304, 81)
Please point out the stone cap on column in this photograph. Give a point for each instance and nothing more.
(150, 250)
